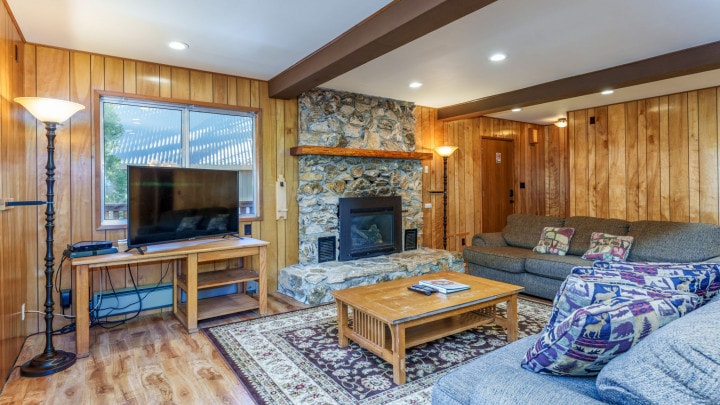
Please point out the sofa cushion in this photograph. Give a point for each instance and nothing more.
(554, 240)
(584, 342)
(703, 282)
(506, 258)
(496, 378)
(552, 266)
(585, 226)
(660, 241)
(581, 291)
(604, 246)
(678, 364)
(523, 230)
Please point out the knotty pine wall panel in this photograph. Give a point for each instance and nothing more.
(543, 167)
(650, 159)
(61, 73)
(16, 240)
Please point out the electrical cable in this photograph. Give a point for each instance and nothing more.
(112, 324)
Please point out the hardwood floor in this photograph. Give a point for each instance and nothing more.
(148, 360)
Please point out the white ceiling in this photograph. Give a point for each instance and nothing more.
(544, 40)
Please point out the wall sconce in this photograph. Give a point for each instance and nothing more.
(445, 151)
(52, 112)
(561, 123)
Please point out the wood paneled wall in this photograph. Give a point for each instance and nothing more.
(543, 167)
(654, 159)
(65, 74)
(14, 222)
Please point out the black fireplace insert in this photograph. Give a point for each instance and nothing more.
(369, 226)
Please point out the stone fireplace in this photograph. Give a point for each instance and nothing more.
(346, 120)
(352, 123)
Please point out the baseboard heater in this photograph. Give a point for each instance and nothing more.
(126, 301)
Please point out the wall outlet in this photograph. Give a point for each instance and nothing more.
(22, 312)
(427, 205)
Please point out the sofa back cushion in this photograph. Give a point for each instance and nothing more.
(658, 241)
(678, 364)
(525, 230)
(585, 226)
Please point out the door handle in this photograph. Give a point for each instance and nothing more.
(512, 193)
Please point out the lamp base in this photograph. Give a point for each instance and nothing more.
(43, 364)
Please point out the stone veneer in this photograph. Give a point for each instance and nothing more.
(313, 284)
(348, 120)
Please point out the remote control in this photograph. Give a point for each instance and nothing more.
(421, 289)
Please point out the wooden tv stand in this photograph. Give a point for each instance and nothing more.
(185, 278)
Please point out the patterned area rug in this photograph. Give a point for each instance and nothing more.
(294, 358)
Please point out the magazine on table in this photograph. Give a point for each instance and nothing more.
(444, 286)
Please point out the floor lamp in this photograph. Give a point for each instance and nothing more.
(51, 112)
(445, 152)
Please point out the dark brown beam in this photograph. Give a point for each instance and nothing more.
(687, 61)
(397, 24)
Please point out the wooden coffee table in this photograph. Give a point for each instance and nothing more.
(387, 318)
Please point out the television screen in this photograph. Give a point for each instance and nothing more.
(170, 204)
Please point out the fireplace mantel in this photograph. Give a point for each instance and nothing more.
(384, 154)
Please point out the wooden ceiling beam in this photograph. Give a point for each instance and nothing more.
(680, 63)
(397, 24)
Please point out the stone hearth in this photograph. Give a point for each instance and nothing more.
(312, 283)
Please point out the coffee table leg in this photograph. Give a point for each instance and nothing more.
(342, 313)
(398, 361)
(512, 319)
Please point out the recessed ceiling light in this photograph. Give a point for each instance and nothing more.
(606, 92)
(498, 57)
(179, 46)
(415, 85)
(518, 109)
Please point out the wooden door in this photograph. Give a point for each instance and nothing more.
(498, 194)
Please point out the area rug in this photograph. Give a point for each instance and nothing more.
(294, 358)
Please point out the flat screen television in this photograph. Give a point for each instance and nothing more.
(167, 204)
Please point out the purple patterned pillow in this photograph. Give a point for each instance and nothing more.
(604, 246)
(704, 282)
(579, 291)
(591, 336)
(554, 241)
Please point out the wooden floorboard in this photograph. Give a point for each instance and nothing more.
(148, 360)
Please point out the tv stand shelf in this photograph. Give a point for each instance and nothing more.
(219, 278)
(219, 306)
(223, 305)
(186, 256)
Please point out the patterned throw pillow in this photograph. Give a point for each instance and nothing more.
(604, 246)
(554, 241)
(703, 282)
(591, 336)
(579, 291)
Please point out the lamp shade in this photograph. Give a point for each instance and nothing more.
(561, 123)
(49, 109)
(445, 150)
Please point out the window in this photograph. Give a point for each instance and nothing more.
(151, 133)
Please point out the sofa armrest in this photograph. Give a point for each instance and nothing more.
(489, 239)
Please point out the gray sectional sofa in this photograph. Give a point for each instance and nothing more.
(507, 256)
(677, 364)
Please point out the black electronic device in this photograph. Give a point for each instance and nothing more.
(422, 289)
(91, 245)
(86, 253)
(168, 204)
